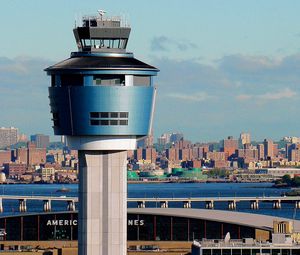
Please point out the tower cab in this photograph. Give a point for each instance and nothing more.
(102, 90)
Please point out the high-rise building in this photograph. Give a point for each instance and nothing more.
(169, 138)
(216, 155)
(182, 144)
(245, 138)
(295, 155)
(172, 154)
(295, 139)
(185, 154)
(5, 157)
(288, 150)
(35, 155)
(138, 154)
(206, 148)
(176, 137)
(102, 101)
(21, 155)
(196, 151)
(249, 154)
(268, 149)
(292, 151)
(261, 151)
(22, 138)
(291, 139)
(8, 136)
(275, 150)
(31, 155)
(40, 141)
(229, 146)
(164, 139)
(149, 154)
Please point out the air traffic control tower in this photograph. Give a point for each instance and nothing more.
(102, 101)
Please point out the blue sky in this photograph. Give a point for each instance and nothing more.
(226, 66)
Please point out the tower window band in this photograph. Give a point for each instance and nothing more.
(109, 118)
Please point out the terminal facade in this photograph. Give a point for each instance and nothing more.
(140, 227)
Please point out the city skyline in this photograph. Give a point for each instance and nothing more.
(22, 137)
(224, 67)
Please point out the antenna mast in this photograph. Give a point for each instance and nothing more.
(101, 13)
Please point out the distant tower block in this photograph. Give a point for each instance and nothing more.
(102, 101)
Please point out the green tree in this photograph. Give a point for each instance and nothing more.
(219, 173)
(287, 179)
(296, 181)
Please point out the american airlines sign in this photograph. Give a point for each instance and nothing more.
(136, 223)
(75, 222)
(62, 223)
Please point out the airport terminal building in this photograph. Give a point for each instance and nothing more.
(144, 224)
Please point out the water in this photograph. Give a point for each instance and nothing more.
(203, 190)
(167, 190)
(11, 207)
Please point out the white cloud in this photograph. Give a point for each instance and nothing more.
(196, 97)
(285, 93)
(164, 43)
(248, 64)
(15, 68)
(243, 97)
(269, 96)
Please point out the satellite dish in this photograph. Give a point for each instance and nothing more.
(227, 238)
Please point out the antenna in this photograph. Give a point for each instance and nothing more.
(101, 13)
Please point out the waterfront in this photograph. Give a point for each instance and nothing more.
(167, 190)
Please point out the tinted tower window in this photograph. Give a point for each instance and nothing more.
(71, 80)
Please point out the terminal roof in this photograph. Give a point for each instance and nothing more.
(240, 218)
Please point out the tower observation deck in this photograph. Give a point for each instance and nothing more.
(102, 100)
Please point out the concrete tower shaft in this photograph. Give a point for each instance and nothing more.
(103, 202)
(102, 100)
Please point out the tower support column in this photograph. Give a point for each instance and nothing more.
(102, 203)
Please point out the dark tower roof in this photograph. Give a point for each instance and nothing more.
(95, 62)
